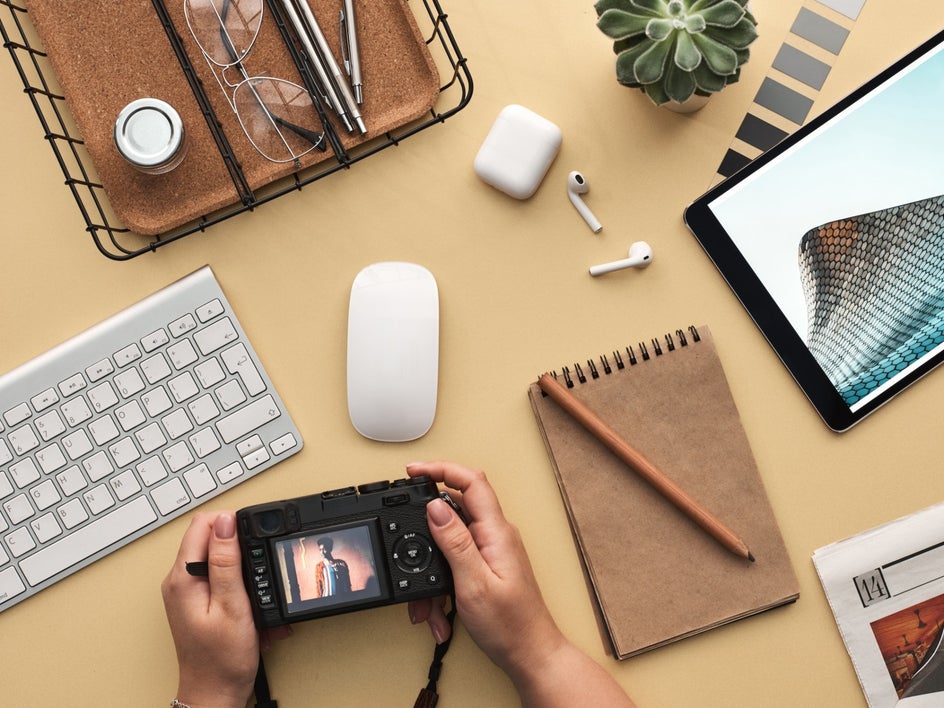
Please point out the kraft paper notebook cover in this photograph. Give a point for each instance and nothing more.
(654, 575)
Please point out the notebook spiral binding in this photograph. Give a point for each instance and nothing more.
(657, 349)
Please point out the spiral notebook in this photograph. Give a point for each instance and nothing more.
(654, 575)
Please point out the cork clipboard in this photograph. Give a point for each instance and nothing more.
(654, 576)
(106, 54)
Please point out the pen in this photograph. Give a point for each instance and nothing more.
(632, 457)
(352, 57)
(332, 98)
(348, 104)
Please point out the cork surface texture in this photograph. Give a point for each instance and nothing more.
(107, 54)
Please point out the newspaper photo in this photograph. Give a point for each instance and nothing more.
(886, 589)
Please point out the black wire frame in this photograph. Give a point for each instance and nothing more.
(118, 242)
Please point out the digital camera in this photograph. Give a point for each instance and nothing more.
(341, 551)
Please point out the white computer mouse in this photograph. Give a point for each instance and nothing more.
(393, 351)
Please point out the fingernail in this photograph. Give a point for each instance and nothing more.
(438, 634)
(225, 526)
(439, 512)
(412, 614)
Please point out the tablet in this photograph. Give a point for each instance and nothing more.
(833, 240)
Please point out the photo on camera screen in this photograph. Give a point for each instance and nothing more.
(328, 567)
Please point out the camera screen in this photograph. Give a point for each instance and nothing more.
(330, 567)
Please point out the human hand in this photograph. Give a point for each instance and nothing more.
(211, 622)
(497, 596)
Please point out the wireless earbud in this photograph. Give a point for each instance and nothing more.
(577, 185)
(640, 256)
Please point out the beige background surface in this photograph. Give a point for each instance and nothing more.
(516, 299)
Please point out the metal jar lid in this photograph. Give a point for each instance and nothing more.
(150, 135)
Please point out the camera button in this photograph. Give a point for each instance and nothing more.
(403, 584)
(373, 487)
(396, 499)
(393, 526)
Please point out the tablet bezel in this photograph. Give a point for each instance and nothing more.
(757, 300)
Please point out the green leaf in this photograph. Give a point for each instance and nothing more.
(651, 63)
(658, 29)
(720, 59)
(707, 80)
(694, 24)
(602, 6)
(737, 37)
(679, 84)
(687, 56)
(652, 8)
(618, 24)
(625, 64)
(726, 13)
(656, 93)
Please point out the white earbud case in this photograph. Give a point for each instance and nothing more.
(518, 151)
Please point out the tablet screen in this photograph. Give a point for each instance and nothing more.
(834, 240)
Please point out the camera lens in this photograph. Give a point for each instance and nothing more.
(269, 522)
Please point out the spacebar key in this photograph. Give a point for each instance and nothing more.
(87, 541)
(246, 419)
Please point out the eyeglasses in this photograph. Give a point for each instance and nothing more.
(277, 116)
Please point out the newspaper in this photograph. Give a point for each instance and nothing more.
(886, 590)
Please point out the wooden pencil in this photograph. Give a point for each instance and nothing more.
(643, 467)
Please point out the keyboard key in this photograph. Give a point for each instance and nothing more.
(45, 495)
(98, 466)
(182, 354)
(72, 513)
(88, 540)
(6, 489)
(150, 438)
(98, 499)
(182, 325)
(73, 384)
(128, 354)
(71, 480)
(24, 473)
(46, 527)
(256, 458)
(183, 387)
(217, 335)
(170, 496)
(10, 584)
(177, 423)
(42, 401)
(51, 459)
(23, 440)
(50, 425)
(125, 485)
(124, 452)
(104, 430)
(247, 419)
(178, 457)
(5, 454)
(19, 542)
(17, 414)
(203, 409)
(283, 444)
(200, 481)
(154, 340)
(102, 397)
(230, 395)
(99, 370)
(156, 401)
(76, 411)
(204, 442)
(130, 416)
(77, 444)
(152, 471)
(155, 368)
(209, 372)
(238, 362)
(210, 310)
(18, 509)
(230, 472)
(129, 382)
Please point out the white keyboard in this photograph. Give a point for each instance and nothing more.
(126, 426)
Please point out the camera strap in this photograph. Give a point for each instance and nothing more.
(428, 697)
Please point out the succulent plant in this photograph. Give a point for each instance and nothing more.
(672, 49)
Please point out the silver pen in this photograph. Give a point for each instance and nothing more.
(332, 98)
(350, 51)
(349, 105)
